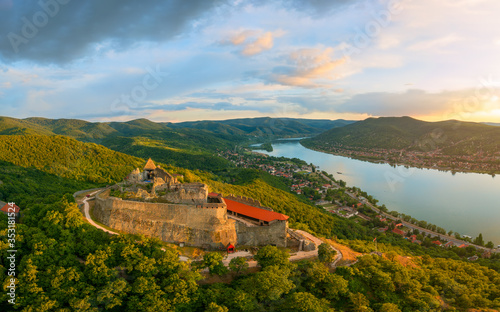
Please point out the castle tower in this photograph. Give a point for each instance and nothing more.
(149, 169)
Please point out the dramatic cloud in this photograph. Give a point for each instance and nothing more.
(309, 66)
(56, 31)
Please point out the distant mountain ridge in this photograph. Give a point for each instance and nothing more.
(266, 126)
(228, 129)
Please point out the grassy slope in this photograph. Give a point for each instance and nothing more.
(67, 157)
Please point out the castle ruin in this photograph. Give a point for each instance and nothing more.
(153, 202)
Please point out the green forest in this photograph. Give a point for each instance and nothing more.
(65, 264)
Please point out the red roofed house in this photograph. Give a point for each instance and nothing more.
(398, 231)
(6, 209)
(449, 244)
(437, 243)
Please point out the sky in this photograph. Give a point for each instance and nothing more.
(177, 60)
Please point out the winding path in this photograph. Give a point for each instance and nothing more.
(86, 209)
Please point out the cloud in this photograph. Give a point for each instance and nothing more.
(317, 7)
(60, 33)
(308, 66)
(241, 37)
(410, 103)
(259, 45)
(253, 41)
(435, 43)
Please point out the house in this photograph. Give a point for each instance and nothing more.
(6, 209)
(473, 258)
(436, 242)
(398, 231)
(463, 246)
(486, 254)
(449, 244)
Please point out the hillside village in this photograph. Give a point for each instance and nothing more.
(435, 159)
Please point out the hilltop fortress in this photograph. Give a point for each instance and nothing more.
(153, 202)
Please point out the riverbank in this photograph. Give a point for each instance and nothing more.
(417, 163)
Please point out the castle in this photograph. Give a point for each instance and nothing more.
(157, 205)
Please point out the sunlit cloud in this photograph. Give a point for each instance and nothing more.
(309, 67)
(253, 41)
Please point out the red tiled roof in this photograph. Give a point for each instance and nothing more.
(398, 231)
(250, 211)
(6, 208)
(254, 212)
(437, 242)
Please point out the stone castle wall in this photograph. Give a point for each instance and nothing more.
(273, 234)
(186, 193)
(174, 223)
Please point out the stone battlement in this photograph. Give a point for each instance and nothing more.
(212, 206)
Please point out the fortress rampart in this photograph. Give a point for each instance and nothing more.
(273, 234)
(175, 223)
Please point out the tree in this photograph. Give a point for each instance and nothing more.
(213, 261)
(271, 255)
(269, 284)
(304, 302)
(489, 245)
(238, 265)
(359, 303)
(389, 307)
(214, 307)
(479, 240)
(326, 254)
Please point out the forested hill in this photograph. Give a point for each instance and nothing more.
(66, 157)
(266, 126)
(448, 137)
(220, 131)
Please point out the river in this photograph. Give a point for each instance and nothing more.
(467, 203)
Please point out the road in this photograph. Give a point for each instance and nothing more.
(453, 239)
(86, 210)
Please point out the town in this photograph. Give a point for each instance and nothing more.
(434, 159)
